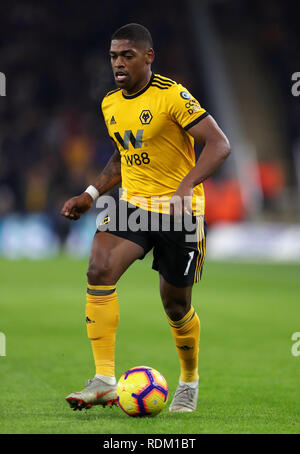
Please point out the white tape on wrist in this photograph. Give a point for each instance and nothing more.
(94, 193)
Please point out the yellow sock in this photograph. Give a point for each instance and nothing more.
(186, 334)
(102, 317)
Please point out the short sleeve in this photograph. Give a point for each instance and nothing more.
(184, 109)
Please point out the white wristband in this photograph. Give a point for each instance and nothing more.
(93, 192)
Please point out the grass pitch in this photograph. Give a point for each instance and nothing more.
(249, 380)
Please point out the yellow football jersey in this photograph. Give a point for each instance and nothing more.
(150, 130)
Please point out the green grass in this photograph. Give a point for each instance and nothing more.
(249, 380)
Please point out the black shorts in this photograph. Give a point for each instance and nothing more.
(178, 247)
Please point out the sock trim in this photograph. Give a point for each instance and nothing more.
(186, 319)
(101, 287)
(193, 384)
(100, 290)
(110, 380)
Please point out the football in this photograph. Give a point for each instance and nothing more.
(142, 391)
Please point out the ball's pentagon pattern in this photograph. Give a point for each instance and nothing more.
(142, 391)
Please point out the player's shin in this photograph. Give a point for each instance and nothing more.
(102, 317)
(186, 334)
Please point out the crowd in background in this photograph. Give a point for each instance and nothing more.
(273, 28)
(54, 54)
(280, 40)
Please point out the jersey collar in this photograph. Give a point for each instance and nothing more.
(138, 93)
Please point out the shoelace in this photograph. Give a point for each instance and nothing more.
(90, 382)
(184, 396)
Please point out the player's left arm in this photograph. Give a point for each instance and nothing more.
(216, 149)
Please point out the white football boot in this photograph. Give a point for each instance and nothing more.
(185, 399)
(96, 392)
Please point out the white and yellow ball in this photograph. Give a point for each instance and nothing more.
(142, 391)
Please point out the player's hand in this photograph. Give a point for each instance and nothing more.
(76, 206)
(181, 201)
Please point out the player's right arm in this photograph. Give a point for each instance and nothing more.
(108, 178)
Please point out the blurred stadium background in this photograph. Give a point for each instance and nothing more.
(236, 57)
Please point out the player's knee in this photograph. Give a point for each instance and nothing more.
(100, 272)
(175, 313)
(175, 308)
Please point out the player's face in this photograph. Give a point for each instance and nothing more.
(130, 64)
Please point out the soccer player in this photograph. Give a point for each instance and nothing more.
(153, 122)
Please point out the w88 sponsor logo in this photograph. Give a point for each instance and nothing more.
(137, 159)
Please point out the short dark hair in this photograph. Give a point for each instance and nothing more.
(135, 33)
